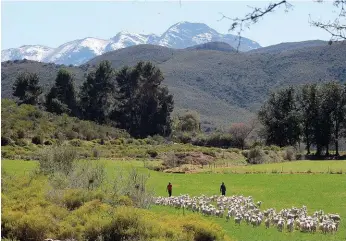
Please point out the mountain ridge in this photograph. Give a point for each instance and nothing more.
(76, 52)
(222, 86)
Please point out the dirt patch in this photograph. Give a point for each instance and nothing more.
(186, 168)
(171, 160)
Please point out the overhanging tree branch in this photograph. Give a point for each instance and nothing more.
(336, 28)
(252, 18)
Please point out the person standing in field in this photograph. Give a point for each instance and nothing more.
(169, 189)
(223, 189)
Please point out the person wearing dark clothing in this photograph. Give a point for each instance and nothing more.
(223, 189)
(169, 189)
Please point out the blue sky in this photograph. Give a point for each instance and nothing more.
(54, 23)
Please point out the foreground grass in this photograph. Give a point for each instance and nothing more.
(316, 191)
(32, 210)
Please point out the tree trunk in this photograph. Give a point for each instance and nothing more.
(336, 139)
(319, 150)
(307, 140)
(308, 147)
(327, 150)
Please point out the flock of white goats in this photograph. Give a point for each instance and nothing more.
(244, 209)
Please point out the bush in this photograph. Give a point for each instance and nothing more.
(96, 153)
(60, 138)
(245, 153)
(117, 141)
(76, 142)
(235, 150)
(87, 174)
(219, 140)
(152, 153)
(129, 141)
(5, 141)
(136, 142)
(90, 135)
(37, 140)
(202, 232)
(290, 153)
(149, 141)
(185, 138)
(256, 156)
(48, 143)
(73, 198)
(256, 144)
(274, 148)
(159, 139)
(70, 135)
(21, 142)
(57, 159)
(124, 201)
(102, 141)
(171, 160)
(20, 134)
(209, 153)
(141, 141)
(26, 225)
(133, 184)
(124, 223)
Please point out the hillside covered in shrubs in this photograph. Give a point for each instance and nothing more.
(22, 124)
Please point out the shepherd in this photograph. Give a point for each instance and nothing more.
(169, 189)
(223, 189)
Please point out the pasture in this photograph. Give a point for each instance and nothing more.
(316, 191)
(333, 167)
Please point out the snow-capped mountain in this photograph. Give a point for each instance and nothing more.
(32, 52)
(77, 52)
(180, 35)
(186, 34)
(125, 39)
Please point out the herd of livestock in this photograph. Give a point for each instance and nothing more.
(244, 210)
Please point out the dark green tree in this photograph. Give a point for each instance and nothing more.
(27, 89)
(332, 114)
(97, 94)
(308, 104)
(339, 112)
(281, 119)
(62, 96)
(144, 106)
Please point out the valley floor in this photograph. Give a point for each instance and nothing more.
(316, 191)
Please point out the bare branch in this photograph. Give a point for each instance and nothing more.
(336, 28)
(251, 18)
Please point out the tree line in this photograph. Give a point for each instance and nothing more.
(131, 98)
(314, 114)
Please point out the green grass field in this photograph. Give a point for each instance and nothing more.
(285, 167)
(316, 191)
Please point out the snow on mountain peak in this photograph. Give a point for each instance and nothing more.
(186, 34)
(95, 44)
(180, 35)
(125, 39)
(30, 52)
